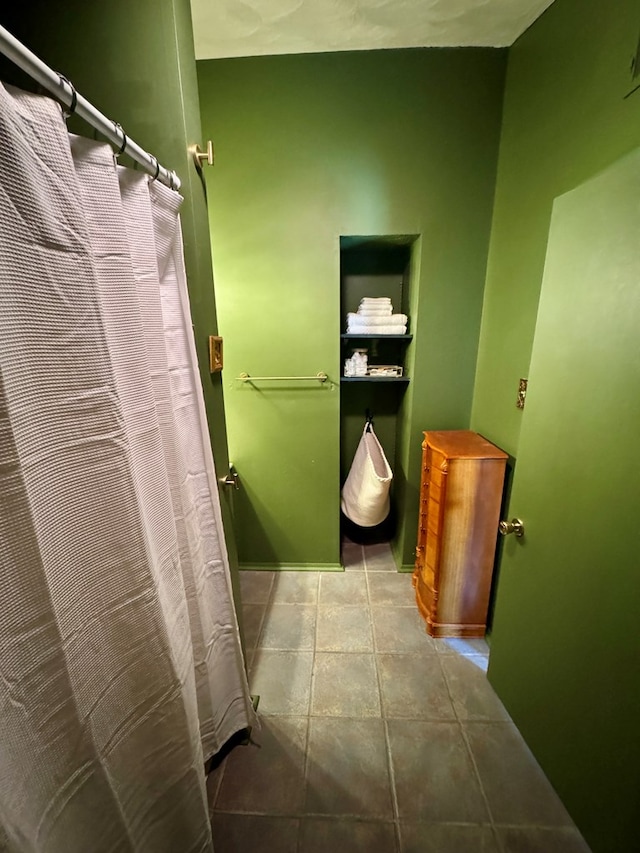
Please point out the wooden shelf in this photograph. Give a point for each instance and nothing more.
(348, 337)
(399, 379)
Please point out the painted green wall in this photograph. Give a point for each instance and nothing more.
(565, 118)
(565, 656)
(135, 62)
(310, 148)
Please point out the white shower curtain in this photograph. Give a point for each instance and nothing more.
(120, 664)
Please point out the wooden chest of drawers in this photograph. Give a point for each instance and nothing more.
(460, 495)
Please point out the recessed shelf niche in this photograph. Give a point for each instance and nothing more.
(374, 266)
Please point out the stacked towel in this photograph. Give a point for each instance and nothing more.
(375, 317)
(372, 307)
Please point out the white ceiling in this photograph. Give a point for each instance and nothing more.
(224, 28)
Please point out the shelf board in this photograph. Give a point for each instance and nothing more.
(400, 379)
(348, 337)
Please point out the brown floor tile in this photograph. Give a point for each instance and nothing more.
(473, 697)
(343, 588)
(391, 588)
(255, 587)
(537, 840)
(320, 835)
(378, 558)
(344, 685)
(400, 629)
(295, 588)
(447, 838)
(237, 833)
(252, 615)
(214, 780)
(343, 628)
(289, 626)
(352, 556)
(434, 776)
(282, 680)
(517, 790)
(267, 775)
(347, 768)
(413, 687)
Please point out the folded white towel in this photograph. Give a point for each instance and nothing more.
(358, 329)
(374, 311)
(377, 320)
(375, 300)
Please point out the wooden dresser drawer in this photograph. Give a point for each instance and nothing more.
(461, 492)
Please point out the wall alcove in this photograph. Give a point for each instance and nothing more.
(374, 266)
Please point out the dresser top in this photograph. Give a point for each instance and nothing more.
(463, 444)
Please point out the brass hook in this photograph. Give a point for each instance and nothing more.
(201, 157)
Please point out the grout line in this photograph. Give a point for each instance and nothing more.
(385, 728)
(211, 804)
(477, 772)
(466, 743)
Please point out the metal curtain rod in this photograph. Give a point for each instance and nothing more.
(245, 377)
(65, 92)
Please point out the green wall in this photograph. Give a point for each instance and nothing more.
(564, 651)
(135, 62)
(310, 148)
(565, 118)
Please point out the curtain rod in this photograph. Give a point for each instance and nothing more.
(65, 92)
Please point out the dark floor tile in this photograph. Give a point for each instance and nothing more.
(538, 840)
(295, 588)
(351, 556)
(282, 680)
(237, 833)
(473, 697)
(391, 588)
(252, 615)
(344, 685)
(413, 687)
(517, 790)
(347, 768)
(400, 629)
(379, 558)
(214, 780)
(255, 587)
(433, 773)
(322, 835)
(289, 626)
(343, 588)
(343, 628)
(447, 838)
(267, 775)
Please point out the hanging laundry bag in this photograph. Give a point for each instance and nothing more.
(365, 494)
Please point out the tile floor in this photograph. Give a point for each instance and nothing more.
(374, 736)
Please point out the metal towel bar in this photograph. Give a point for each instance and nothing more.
(245, 377)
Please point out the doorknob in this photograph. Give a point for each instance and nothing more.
(232, 478)
(513, 526)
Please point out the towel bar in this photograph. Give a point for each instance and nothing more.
(245, 377)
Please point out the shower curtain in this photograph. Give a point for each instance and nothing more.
(120, 663)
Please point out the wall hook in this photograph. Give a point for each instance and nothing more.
(200, 157)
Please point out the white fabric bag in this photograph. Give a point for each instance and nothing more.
(365, 494)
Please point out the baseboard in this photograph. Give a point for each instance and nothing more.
(291, 567)
(406, 568)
